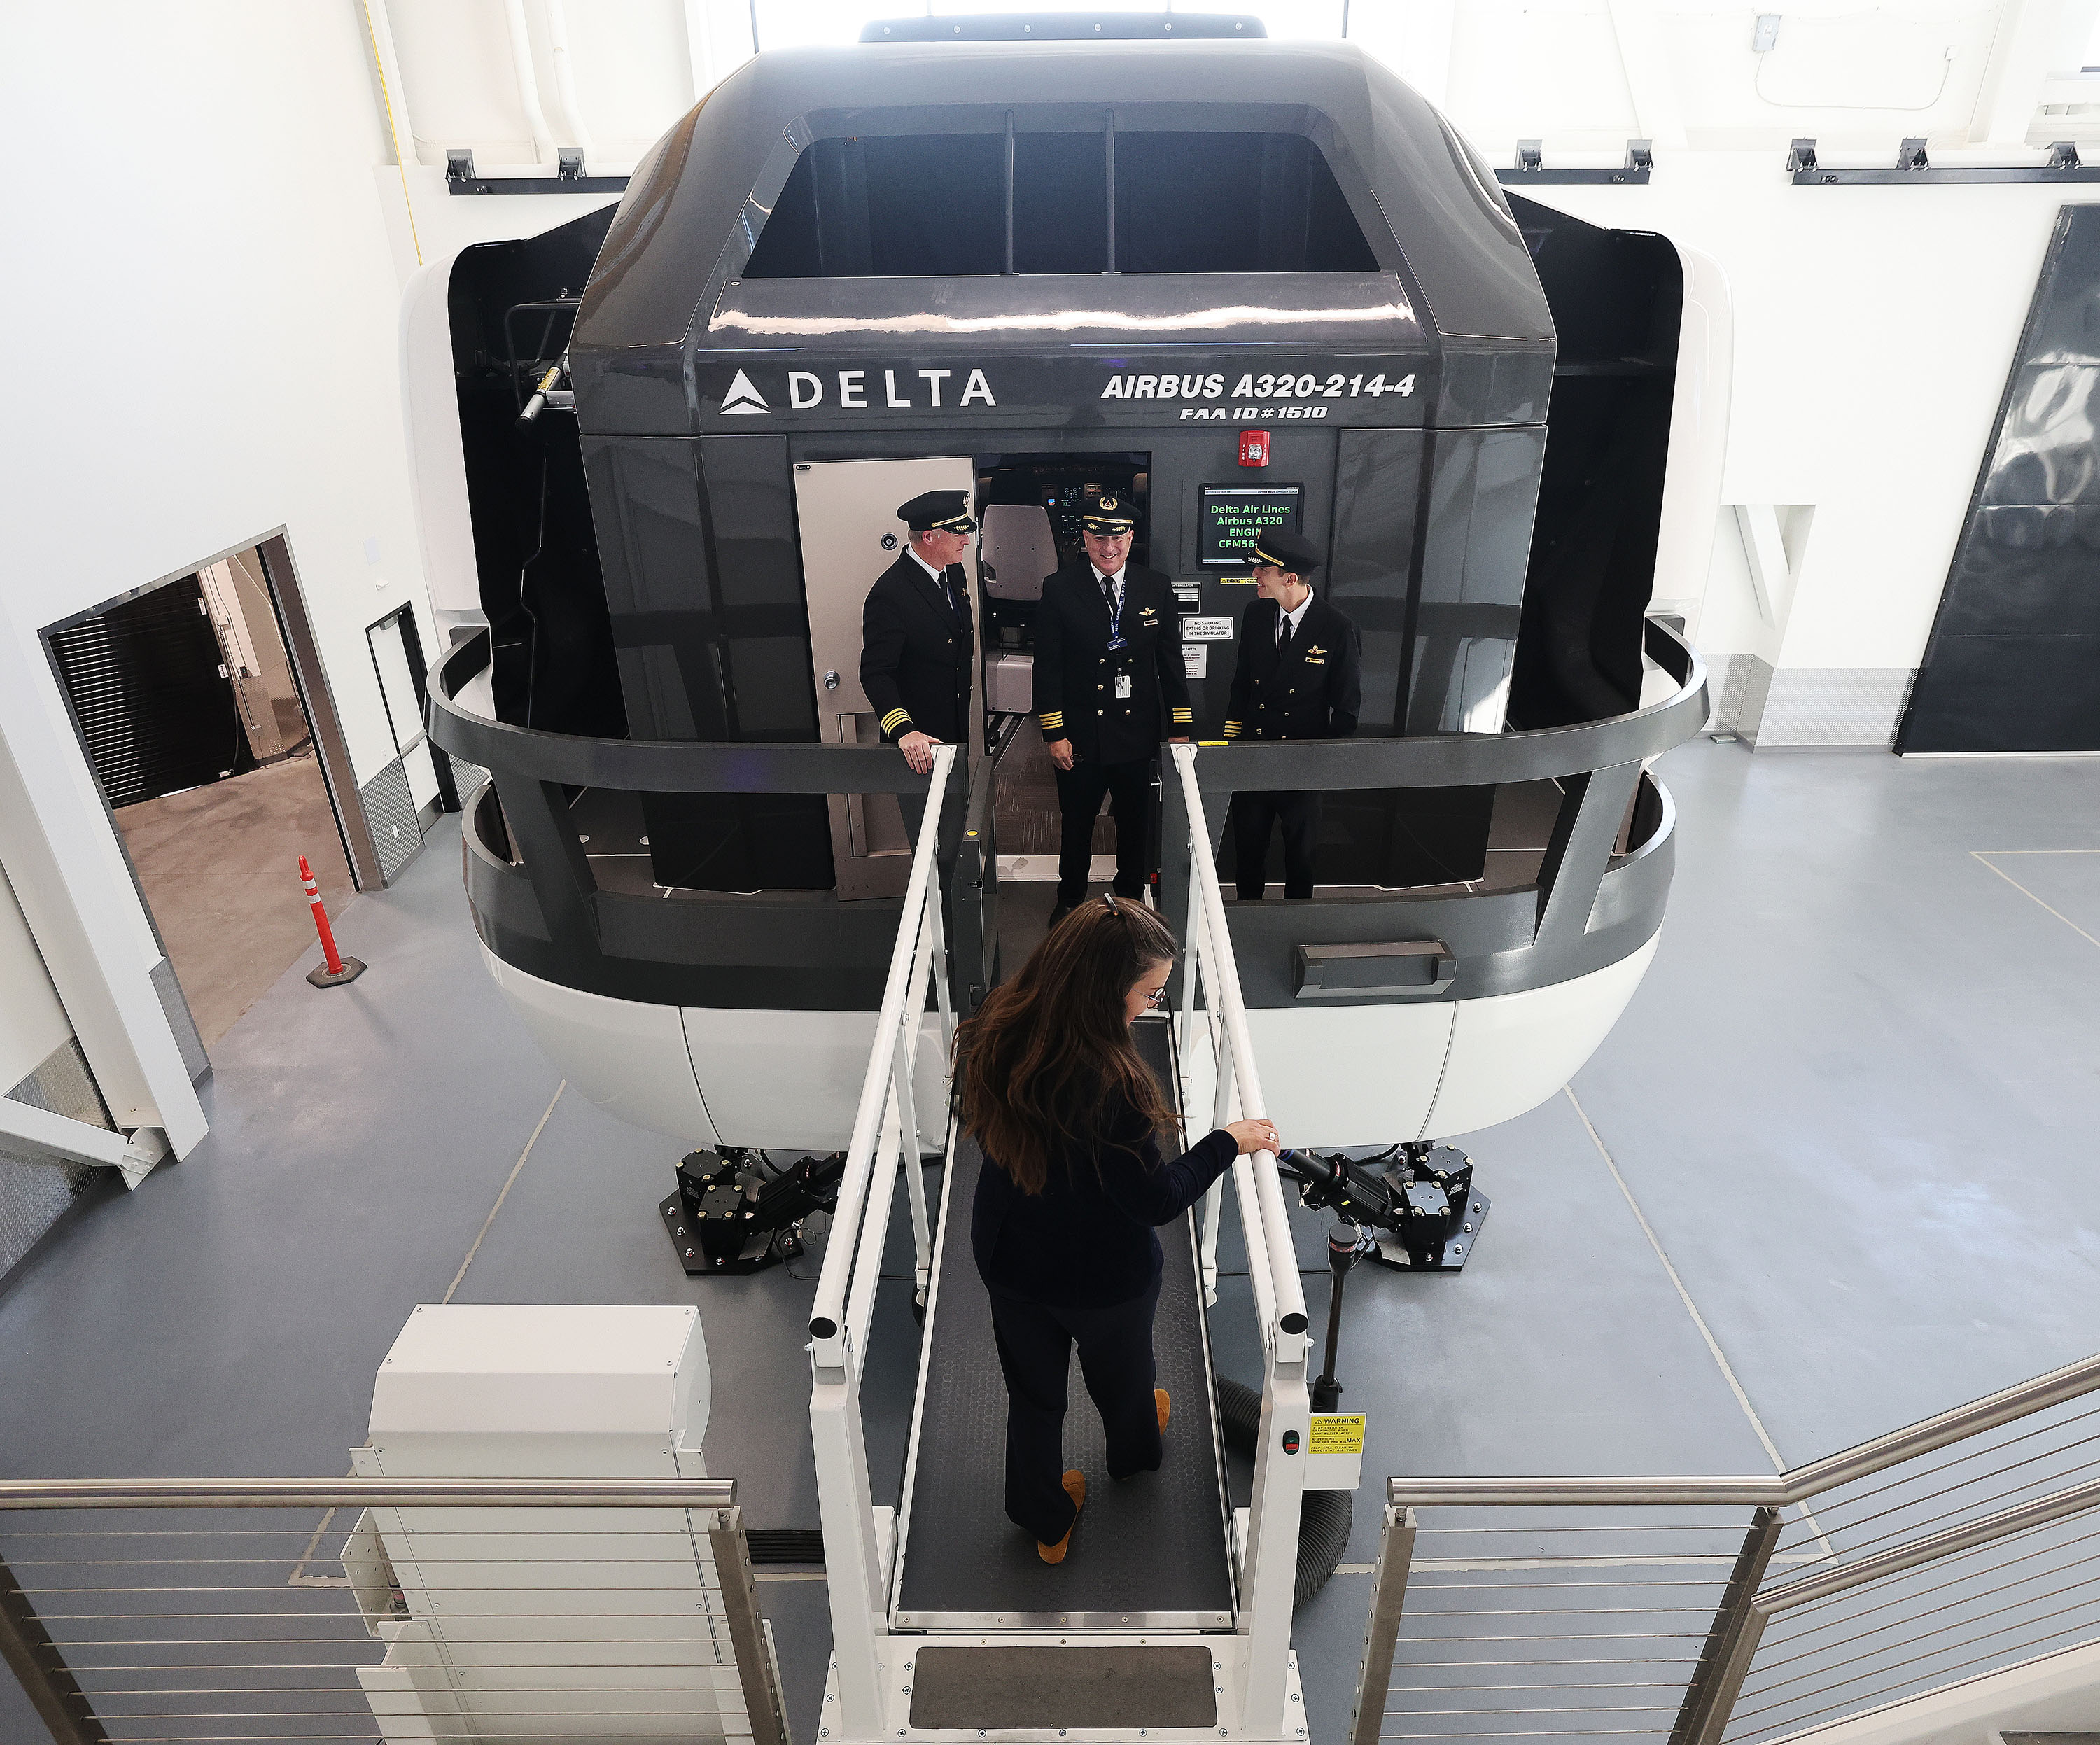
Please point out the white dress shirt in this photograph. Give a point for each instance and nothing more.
(1294, 619)
(939, 577)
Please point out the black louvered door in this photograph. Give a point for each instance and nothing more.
(156, 710)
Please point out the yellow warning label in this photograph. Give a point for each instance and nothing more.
(1337, 1433)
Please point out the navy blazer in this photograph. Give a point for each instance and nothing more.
(916, 653)
(1086, 1241)
(1315, 691)
(1075, 674)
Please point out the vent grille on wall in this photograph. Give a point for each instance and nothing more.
(390, 808)
(156, 712)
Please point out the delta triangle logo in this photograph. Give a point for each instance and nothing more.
(744, 398)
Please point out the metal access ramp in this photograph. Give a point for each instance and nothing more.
(1151, 1552)
(1170, 1620)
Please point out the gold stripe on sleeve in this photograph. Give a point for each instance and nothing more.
(890, 721)
(1232, 729)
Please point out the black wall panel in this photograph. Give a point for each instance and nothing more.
(2014, 661)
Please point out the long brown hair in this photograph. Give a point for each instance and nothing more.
(1049, 1048)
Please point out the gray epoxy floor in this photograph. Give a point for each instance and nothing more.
(1854, 1101)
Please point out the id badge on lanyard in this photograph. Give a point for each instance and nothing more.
(1123, 686)
(1117, 640)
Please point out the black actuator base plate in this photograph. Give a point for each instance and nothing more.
(785, 1245)
(1458, 1249)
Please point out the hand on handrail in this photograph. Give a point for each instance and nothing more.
(918, 749)
(1251, 1136)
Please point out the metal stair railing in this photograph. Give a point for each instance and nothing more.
(449, 1610)
(885, 1143)
(1210, 990)
(1651, 1607)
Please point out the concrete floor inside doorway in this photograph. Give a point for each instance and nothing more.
(219, 866)
(1832, 1172)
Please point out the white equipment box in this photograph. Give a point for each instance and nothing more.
(517, 1623)
(1010, 684)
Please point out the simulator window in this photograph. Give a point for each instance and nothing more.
(1230, 516)
(1232, 203)
(1061, 203)
(889, 206)
(960, 204)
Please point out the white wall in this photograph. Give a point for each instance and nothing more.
(201, 306)
(1874, 328)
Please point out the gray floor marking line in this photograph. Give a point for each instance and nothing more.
(1980, 851)
(299, 1578)
(505, 1194)
(1976, 854)
(1692, 1308)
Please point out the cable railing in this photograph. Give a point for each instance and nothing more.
(202, 1612)
(1733, 1610)
(859, 1541)
(1213, 1017)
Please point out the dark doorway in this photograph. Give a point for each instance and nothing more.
(187, 703)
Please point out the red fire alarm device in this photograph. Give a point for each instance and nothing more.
(1254, 448)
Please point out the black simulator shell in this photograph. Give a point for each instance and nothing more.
(824, 261)
(1042, 272)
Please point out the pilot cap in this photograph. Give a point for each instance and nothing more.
(1276, 549)
(948, 511)
(1109, 515)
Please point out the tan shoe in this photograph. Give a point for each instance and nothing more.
(1075, 1487)
(1159, 1399)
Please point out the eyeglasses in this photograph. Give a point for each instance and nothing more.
(1156, 1001)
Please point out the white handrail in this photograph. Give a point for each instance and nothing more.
(899, 1145)
(828, 1317)
(1268, 1569)
(1288, 1330)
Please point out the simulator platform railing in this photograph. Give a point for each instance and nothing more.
(138, 1611)
(533, 885)
(1604, 866)
(1730, 1611)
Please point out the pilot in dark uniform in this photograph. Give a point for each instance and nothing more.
(917, 645)
(1110, 683)
(1299, 678)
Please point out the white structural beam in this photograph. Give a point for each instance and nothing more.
(393, 91)
(81, 908)
(565, 76)
(1638, 25)
(2028, 34)
(1771, 578)
(24, 1127)
(528, 83)
(699, 48)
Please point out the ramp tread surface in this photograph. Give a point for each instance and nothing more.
(1149, 1551)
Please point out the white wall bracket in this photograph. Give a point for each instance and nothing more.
(41, 1133)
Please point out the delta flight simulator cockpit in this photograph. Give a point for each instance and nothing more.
(1003, 470)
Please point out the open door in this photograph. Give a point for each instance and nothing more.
(847, 513)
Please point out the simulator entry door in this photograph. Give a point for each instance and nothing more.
(847, 513)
